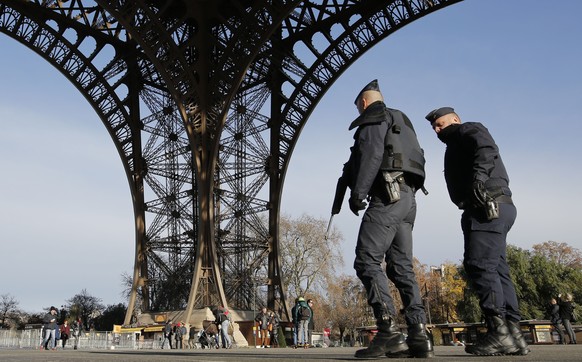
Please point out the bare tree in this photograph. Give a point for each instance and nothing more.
(421, 278)
(85, 306)
(127, 282)
(561, 253)
(347, 306)
(8, 310)
(308, 259)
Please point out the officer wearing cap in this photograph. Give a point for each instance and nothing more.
(478, 184)
(385, 168)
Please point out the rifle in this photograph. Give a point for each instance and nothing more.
(340, 191)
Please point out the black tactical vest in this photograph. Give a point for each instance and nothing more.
(402, 151)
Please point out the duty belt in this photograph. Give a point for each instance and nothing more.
(407, 180)
(404, 180)
(504, 199)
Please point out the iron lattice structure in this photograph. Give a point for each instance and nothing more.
(205, 101)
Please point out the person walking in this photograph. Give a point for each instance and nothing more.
(50, 324)
(275, 321)
(311, 325)
(566, 314)
(222, 320)
(65, 329)
(185, 336)
(178, 335)
(295, 322)
(554, 312)
(167, 334)
(303, 315)
(478, 184)
(192, 338)
(386, 168)
(77, 329)
(263, 322)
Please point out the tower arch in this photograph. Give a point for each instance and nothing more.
(205, 104)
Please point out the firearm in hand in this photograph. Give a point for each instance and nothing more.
(340, 192)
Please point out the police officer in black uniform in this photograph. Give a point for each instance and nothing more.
(478, 184)
(385, 168)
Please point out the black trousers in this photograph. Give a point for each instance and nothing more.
(386, 235)
(485, 261)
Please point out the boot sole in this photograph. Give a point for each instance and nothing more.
(499, 353)
(411, 354)
(397, 349)
(521, 352)
(423, 355)
(401, 352)
(387, 352)
(370, 357)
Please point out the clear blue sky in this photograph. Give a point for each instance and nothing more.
(65, 209)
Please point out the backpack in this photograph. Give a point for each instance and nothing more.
(304, 313)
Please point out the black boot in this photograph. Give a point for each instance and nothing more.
(389, 339)
(520, 342)
(497, 341)
(419, 343)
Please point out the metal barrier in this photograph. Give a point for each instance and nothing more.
(32, 338)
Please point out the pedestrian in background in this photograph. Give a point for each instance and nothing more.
(192, 338)
(295, 322)
(303, 315)
(222, 320)
(311, 325)
(167, 334)
(184, 335)
(65, 330)
(263, 322)
(77, 330)
(554, 313)
(50, 324)
(567, 315)
(178, 335)
(275, 321)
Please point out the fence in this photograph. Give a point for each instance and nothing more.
(32, 338)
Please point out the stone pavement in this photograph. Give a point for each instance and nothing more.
(443, 353)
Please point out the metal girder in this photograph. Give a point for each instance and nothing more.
(205, 101)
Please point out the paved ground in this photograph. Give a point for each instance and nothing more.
(539, 353)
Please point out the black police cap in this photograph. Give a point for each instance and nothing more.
(437, 113)
(372, 86)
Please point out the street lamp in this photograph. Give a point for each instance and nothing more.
(254, 309)
(255, 329)
(426, 297)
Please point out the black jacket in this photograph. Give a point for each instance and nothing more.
(472, 155)
(384, 140)
(554, 312)
(566, 310)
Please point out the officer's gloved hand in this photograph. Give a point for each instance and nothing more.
(356, 205)
(479, 194)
